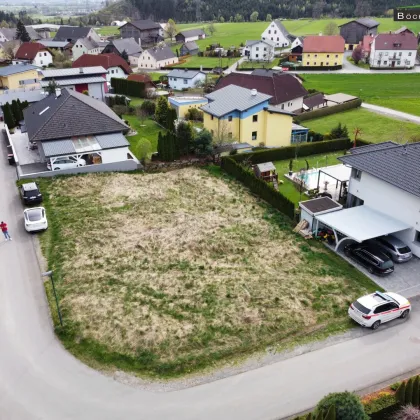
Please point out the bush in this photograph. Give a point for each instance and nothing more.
(149, 107)
(314, 136)
(194, 114)
(329, 110)
(347, 405)
(258, 186)
(408, 413)
(314, 68)
(384, 400)
(289, 152)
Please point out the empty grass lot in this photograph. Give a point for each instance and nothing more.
(375, 128)
(168, 273)
(207, 62)
(147, 129)
(107, 30)
(397, 91)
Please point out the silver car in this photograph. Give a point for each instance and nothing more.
(394, 247)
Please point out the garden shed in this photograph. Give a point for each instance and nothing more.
(266, 171)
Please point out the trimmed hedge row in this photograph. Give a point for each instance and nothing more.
(259, 187)
(328, 110)
(128, 87)
(289, 152)
(314, 68)
(192, 68)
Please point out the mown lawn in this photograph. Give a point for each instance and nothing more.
(107, 30)
(375, 128)
(397, 91)
(208, 62)
(289, 189)
(155, 278)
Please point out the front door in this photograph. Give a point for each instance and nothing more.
(322, 63)
(351, 47)
(392, 63)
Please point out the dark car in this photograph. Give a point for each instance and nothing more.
(370, 257)
(30, 193)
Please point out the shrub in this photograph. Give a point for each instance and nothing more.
(400, 394)
(329, 110)
(416, 391)
(384, 400)
(347, 406)
(408, 413)
(194, 114)
(409, 391)
(149, 107)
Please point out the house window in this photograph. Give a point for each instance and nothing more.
(282, 106)
(316, 55)
(385, 63)
(45, 54)
(309, 55)
(400, 54)
(307, 63)
(42, 62)
(272, 38)
(256, 55)
(409, 54)
(255, 118)
(278, 39)
(386, 53)
(335, 63)
(185, 82)
(230, 118)
(212, 117)
(265, 49)
(328, 56)
(257, 48)
(148, 58)
(229, 135)
(254, 135)
(336, 56)
(417, 236)
(315, 63)
(327, 63)
(275, 32)
(269, 31)
(398, 63)
(356, 174)
(112, 71)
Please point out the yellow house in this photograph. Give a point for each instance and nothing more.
(183, 103)
(237, 114)
(18, 76)
(323, 51)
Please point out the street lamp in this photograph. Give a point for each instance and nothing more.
(50, 275)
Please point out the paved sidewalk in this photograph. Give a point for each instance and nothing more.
(392, 113)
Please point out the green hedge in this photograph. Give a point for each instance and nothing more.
(289, 152)
(329, 110)
(259, 187)
(313, 68)
(128, 87)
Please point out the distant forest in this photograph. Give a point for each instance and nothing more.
(10, 19)
(240, 10)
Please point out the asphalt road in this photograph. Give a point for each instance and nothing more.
(40, 380)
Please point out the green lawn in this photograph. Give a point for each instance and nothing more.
(397, 91)
(375, 128)
(289, 189)
(208, 62)
(107, 30)
(146, 129)
(260, 64)
(360, 64)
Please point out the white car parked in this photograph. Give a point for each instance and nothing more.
(65, 163)
(375, 309)
(35, 219)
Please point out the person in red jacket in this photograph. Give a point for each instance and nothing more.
(3, 228)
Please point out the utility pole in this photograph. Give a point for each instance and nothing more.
(50, 275)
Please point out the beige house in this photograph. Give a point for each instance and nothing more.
(87, 46)
(156, 58)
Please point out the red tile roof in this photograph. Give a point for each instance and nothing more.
(282, 87)
(323, 43)
(145, 78)
(402, 41)
(104, 60)
(367, 40)
(29, 50)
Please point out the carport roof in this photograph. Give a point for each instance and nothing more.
(362, 223)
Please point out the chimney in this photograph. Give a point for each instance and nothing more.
(81, 70)
(254, 92)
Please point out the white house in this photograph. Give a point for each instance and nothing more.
(383, 195)
(87, 46)
(276, 33)
(259, 50)
(179, 79)
(33, 53)
(393, 50)
(190, 35)
(162, 30)
(118, 23)
(156, 58)
(297, 42)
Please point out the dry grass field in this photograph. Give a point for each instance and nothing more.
(163, 274)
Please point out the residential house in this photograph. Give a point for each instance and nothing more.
(32, 95)
(19, 76)
(384, 189)
(312, 102)
(162, 30)
(285, 90)
(118, 23)
(8, 49)
(33, 34)
(323, 51)
(144, 32)
(189, 48)
(366, 45)
(297, 42)
(296, 54)
(57, 46)
(33, 53)
(182, 104)
(87, 46)
(44, 29)
(69, 124)
(259, 50)
(115, 65)
(7, 34)
(190, 35)
(338, 98)
(180, 79)
(277, 34)
(156, 58)
(245, 115)
(265, 72)
(404, 29)
(393, 51)
(90, 79)
(129, 45)
(73, 33)
(354, 31)
(143, 78)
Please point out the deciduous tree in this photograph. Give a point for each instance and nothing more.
(268, 18)
(211, 29)
(357, 54)
(171, 29)
(331, 28)
(253, 17)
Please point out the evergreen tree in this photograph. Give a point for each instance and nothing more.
(9, 120)
(160, 145)
(22, 33)
(51, 88)
(124, 55)
(409, 391)
(16, 111)
(21, 108)
(171, 117)
(174, 146)
(400, 393)
(185, 137)
(162, 109)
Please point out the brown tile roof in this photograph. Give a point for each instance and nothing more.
(367, 40)
(104, 60)
(29, 50)
(282, 87)
(323, 43)
(144, 78)
(403, 41)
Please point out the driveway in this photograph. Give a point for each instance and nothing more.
(392, 113)
(40, 380)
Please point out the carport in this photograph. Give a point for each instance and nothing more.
(359, 224)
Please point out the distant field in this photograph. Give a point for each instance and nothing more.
(108, 30)
(375, 128)
(397, 91)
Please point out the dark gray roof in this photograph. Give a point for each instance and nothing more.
(264, 72)
(68, 115)
(397, 165)
(371, 147)
(15, 69)
(49, 43)
(190, 46)
(266, 166)
(90, 44)
(9, 33)
(110, 141)
(143, 24)
(318, 205)
(191, 32)
(128, 44)
(73, 72)
(71, 32)
(314, 100)
(369, 23)
(161, 53)
(34, 35)
(184, 73)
